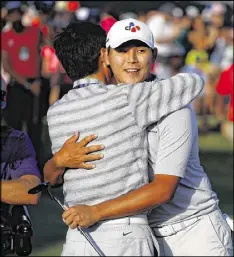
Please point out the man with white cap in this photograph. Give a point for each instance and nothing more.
(179, 186)
(120, 115)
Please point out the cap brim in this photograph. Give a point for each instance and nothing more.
(117, 43)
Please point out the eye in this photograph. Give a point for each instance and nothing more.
(141, 50)
(123, 50)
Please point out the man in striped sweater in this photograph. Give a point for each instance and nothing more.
(120, 115)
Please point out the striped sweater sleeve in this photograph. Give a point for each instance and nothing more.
(150, 101)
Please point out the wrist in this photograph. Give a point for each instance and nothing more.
(57, 161)
(96, 212)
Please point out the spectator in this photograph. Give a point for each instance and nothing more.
(45, 9)
(197, 60)
(210, 98)
(213, 26)
(21, 59)
(227, 58)
(225, 87)
(222, 54)
(165, 32)
(19, 173)
(4, 74)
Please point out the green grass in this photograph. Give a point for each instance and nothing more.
(214, 142)
(216, 158)
(216, 155)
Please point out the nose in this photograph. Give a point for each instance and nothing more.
(132, 56)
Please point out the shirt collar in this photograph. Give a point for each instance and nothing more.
(85, 82)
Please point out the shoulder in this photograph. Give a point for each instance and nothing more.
(20, 145)
(21, 137)
(17, 134)
(66, 103)
(179, 119)
(6, 32)
(6, 35)
(52, 109)
(183, 113)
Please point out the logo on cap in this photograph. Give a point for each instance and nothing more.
(132, 27)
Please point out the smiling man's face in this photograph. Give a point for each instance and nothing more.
(131, 62)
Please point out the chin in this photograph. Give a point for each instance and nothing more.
(133, 80)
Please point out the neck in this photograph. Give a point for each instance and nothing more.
(100, 76)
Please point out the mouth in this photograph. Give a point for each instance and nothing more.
(132, 71)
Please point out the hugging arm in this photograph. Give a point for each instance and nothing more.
(150, 101)
(169, 166)
(73, 154)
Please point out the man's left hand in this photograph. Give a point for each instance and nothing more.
(80, 215)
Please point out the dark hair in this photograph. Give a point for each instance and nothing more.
(78, 48)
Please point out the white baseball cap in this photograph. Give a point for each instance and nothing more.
(129, 29)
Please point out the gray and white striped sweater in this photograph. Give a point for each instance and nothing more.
(119, 114)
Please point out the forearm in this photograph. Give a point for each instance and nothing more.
(54, 94)
(16, 191)
(135, 202)
(55, 87)
(52, 172)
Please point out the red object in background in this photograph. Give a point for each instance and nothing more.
(107, 23)
(23, 50)
(36, 22)
(48, 52)
(44, 28)
(225, 87)
(72, 6)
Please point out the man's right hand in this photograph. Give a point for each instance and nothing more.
(75, 154)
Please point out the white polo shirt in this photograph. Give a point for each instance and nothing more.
(173, 150)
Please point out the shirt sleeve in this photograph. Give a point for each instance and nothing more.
(150, 101)
(28, 164)
(176, 134)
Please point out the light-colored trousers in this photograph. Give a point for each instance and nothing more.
(207, 235)
(119, 237)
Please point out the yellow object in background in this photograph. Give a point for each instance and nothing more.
(198, 59)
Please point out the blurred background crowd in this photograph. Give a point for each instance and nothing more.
(191, 36)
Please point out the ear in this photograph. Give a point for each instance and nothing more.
(155, 53)
(102, 54)
(106, 57)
